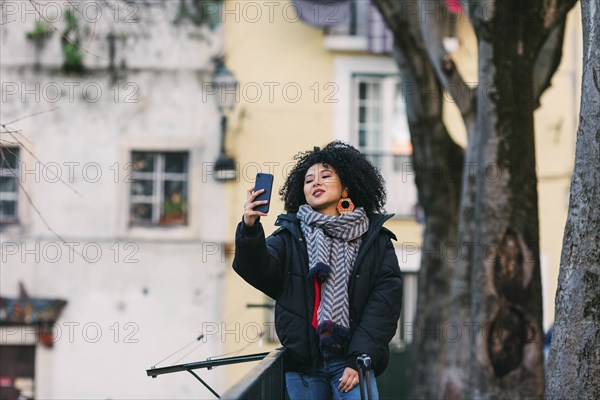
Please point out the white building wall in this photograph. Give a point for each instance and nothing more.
(151, 290)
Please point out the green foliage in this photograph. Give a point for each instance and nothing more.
(40, 31)
(72, 54)
(200, 12)
(73, 58)
(172, 208)
(71, 19)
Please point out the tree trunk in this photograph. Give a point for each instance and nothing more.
(439, 189)
(574, 360)
(496, 296)
(437, 161)
(507, 357)
(453, 383)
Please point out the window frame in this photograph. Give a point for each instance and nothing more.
(158, 177)
(12, 196)
(389, 163)
(205, 194)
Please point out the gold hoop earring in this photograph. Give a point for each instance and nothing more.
(345, 205)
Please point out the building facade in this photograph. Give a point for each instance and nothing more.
(108, 198)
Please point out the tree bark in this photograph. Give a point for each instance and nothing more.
(496, 290)
(437, 161)
(574, 360)
(506, 356)
(440, 160)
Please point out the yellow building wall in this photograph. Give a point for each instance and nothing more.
(556, 123)
(266, 131)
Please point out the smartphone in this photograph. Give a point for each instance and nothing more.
(263, 181)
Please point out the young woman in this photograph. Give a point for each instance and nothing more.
(332, 269)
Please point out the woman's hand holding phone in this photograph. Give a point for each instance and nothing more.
(250, 215)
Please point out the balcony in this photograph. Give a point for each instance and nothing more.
(363, 31)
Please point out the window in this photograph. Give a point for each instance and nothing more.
(9, 186)
(159, 188)
(380, 130)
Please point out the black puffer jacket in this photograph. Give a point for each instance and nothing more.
(278, 266)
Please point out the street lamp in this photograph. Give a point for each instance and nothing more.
(227, 87)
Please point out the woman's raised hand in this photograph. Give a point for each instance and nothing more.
(250, 216)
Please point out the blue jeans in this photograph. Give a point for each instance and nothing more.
(323, 385)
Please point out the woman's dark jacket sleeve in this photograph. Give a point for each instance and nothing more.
(258, 261)
(378, 323)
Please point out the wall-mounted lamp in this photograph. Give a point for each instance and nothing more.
(227, 87)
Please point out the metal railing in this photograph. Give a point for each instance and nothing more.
(209, 364)
(365, 21)
(265, 381)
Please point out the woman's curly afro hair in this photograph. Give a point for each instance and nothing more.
(366, 186)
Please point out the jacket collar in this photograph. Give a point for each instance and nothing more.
(291, 222)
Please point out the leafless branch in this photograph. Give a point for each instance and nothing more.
(408, 43)
(445, 68)
(556, 11)
(37, 211)
(548, 60)
(28, 116)
(33, 3)
(42, 163)
(12, 133)
(17, 131)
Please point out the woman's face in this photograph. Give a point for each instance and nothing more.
(322, 188)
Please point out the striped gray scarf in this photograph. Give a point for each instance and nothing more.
(333, 243)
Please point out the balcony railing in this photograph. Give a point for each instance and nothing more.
(364, 30)
(265, 381)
